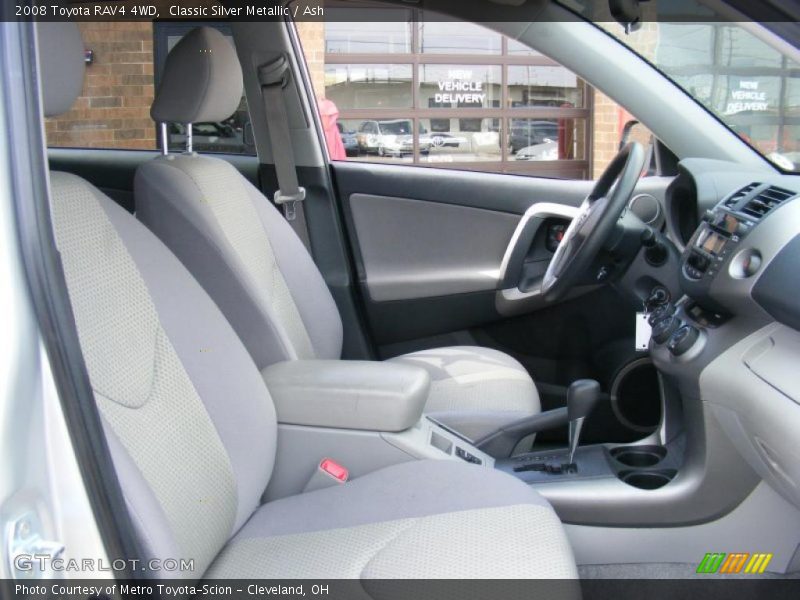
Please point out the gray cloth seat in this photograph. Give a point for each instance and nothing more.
(425, 519)
(254, 266)
(192, 433)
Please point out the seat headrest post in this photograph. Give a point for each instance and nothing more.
(189, 140)
(164, 139)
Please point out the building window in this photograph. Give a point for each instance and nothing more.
(384, 37)
(369, 86)
(543, 85)
(463, 140)
(448, 93)
(457, 37)
(460, 86)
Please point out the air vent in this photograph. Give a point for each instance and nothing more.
(765, 200)
(734, 200)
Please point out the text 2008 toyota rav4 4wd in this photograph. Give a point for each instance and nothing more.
(256, 359)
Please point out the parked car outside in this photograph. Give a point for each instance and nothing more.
(390, 138)
(527, 132)
(349, 139)
(547, 150)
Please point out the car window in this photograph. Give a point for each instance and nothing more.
(454, 94)
(394, 127)
(123, 64)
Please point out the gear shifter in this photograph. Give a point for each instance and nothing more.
(582, 397)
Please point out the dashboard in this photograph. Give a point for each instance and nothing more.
(731, 342)
(735, 243)
(737, 260)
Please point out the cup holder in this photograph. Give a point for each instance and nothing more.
(639, 456)
(648, 480)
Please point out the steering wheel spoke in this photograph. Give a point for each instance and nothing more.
(590, 229)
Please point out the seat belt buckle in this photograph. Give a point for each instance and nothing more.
(288, 202)
(327, 474)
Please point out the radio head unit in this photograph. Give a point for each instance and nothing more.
(712, 244)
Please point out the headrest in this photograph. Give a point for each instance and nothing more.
(202, 80)
(61, 65)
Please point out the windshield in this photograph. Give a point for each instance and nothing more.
(732, 70)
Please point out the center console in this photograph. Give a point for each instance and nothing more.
(644, 466)
(712, 246)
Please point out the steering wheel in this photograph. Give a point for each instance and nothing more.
(590, 229)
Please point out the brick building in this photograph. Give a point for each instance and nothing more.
(113, 111)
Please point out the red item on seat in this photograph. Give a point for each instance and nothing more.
(334, 469)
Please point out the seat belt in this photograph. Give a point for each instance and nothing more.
(273, 78)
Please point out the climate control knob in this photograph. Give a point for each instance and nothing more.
(682, 340)
(664, 329)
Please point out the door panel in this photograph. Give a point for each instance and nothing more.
(428, 244)
(417, 249)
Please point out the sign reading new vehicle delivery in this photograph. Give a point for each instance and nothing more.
(748, 97)
(459, 88)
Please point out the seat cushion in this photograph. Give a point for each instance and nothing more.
(422, 519)
(475, 390)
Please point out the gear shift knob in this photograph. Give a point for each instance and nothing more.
(582, 397)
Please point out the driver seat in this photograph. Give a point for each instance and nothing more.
(257, 270)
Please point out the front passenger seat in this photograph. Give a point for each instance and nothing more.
(191, 427)
(257, 270)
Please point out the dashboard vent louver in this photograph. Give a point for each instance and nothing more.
(765, 200)
(734, 200)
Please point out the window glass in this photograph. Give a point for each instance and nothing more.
(457, 37)
(369, 86)
(460, 86)
(749, 85)
(538, 85)
(449, 140)
(449, 94)
(547, 139)
(516, 48)
(385, 33)
(113, 110)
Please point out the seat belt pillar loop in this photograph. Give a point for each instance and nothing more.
(289, 203)
(273, 77)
